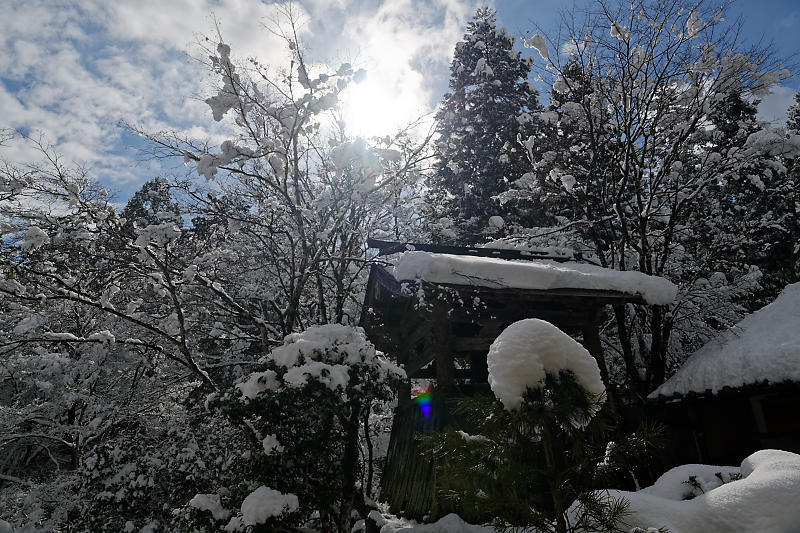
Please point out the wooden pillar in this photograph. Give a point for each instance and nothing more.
(409, 483)
(442, 342)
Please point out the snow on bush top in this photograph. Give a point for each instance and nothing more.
(322, 353)
(527, 350)
(210, 503)
(330, 343)
(264, 503)
(765, 499)
(765, 346)
(540, 275)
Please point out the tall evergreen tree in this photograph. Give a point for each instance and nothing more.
(478, 124)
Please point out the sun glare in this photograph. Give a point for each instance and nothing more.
(374, 108)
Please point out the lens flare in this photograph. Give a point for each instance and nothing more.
(423, 400)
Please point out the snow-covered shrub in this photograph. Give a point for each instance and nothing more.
(306, 409)
(760, 495)
(521, 459)
(146, 474)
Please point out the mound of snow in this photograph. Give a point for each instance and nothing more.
(349, 345)
(451, 523)
(527, 350)
(674, 483)
(765, 346)
(210, 503)
(764, 499)
(264, 503)
(536, 275)
(258, 382)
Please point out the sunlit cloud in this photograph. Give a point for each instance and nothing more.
(75, 69)
(773, 107)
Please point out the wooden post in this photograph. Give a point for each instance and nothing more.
(408, 483)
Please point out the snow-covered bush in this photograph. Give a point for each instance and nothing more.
(145, 476)
(761, 495)
(521, 459)
(306, 408)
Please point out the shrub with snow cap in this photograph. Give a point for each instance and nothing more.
(306, 408)
(34, 238)
(327, 354)
(264, 503)
(526, 351)
(537, 446)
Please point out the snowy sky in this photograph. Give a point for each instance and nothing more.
(73, 69)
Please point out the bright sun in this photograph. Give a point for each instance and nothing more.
(375, 108)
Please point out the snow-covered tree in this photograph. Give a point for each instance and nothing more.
(117, 326)
(478, 148)
(541, 444)
(308, 406)
(645, 145)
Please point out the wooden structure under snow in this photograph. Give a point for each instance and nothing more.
(738, 393)
(442, 331)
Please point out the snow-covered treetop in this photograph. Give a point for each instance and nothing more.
(325, 353)
(536, 275)
(527, 350)
(765, 346)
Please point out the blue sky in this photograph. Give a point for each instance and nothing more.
(73, 69)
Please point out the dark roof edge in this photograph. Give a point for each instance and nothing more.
(759, 387)
(392, 247)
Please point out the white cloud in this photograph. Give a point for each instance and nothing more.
(406, 47)
(74, 69)
(773, 106)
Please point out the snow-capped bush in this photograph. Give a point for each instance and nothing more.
(306, 409)
(526, 351)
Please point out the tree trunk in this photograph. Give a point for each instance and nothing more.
(349, 473)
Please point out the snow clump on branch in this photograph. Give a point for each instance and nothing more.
(538, 42)
(264, 503)
(527, 350)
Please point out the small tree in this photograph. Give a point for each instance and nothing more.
(539, 446)
(307, 408)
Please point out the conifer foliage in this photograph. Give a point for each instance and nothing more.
(478, 149)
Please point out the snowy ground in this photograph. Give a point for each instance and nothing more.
(765, 499)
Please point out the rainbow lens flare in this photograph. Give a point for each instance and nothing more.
(423, 399)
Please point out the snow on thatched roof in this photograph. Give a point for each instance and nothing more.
(525, 274)
(764, 347)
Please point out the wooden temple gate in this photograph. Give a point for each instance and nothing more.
(443, 332)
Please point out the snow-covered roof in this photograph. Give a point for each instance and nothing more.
(764, 347)
(523, 274)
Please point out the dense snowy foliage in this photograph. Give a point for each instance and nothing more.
(118, 325)
(191, 362)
